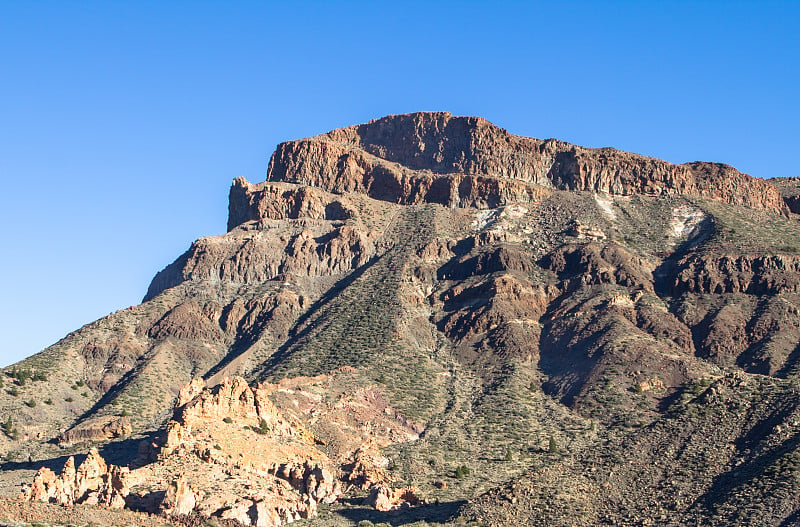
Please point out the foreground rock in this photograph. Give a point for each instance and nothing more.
(93, 483)
(228, 453)
(387, 499)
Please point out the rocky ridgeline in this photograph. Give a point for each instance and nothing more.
(229, 431)
(469, 162)
(426, 302)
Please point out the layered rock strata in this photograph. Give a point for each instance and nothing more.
(468, 161)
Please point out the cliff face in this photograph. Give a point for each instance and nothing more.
(438, 158)
(426, 310)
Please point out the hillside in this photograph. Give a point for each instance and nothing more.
(427, 319)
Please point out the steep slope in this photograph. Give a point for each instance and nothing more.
(547, 323)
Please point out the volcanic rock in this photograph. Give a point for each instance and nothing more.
(94, 482)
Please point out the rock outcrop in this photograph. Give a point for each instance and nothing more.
(232, 401)
(469, 162)
(179, 499)
(97, 429)
(789, 187)
(387, 499)
(737, 273)
(94, 482)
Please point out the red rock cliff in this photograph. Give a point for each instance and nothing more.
(468, 161)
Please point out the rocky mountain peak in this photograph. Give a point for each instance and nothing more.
(426, 318)
(435, 157)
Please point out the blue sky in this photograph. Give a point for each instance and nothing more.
(123, 123)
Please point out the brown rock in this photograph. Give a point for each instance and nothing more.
(179, 499)
(190, 391)
(387, 499)
(467, 161)
(189, 320)
(99, 429)
(234, 399)
(94, 482)
(751, 274)
(311, 479)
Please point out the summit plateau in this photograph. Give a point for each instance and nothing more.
(427, 320)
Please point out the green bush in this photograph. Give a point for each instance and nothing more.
(263, 427)
(462, 472)
(227, 420)
(21, 375)
(552, 446)
(30, 404)
(69, 399)
(13, 391)
(365, 523)
(10, 430)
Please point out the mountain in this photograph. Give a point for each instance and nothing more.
(427, 319)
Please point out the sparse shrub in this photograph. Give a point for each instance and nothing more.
(85, 394)
(263, 427)
(509, 456)
(124, 413)
(552, 446)
(20, 375)
(74, 386)
(217, 447)
(14, 392)
(30, 404)
(10, 430)
(39, 376)
(365, 523)
(48, 401)
(79, 383)
(462, 471)
(69, 399)
(227, 420)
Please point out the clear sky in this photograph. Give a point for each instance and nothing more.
(123, 123)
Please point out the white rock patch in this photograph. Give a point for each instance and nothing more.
(606, 205)
(684, 220)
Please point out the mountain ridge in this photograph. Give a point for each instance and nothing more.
(352, 158)
(463, 320)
